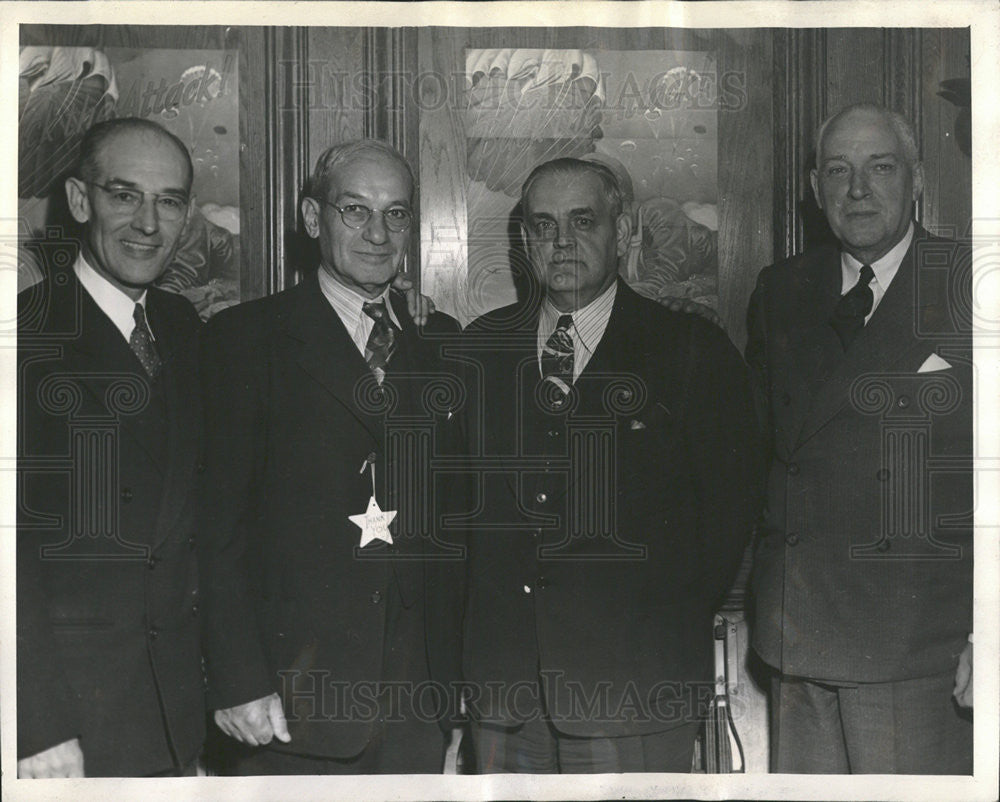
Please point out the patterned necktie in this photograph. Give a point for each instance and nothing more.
(141, 343)
(557, 355)
(853, 307)
(382, 340)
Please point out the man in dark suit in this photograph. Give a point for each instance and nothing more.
(862, 578)
(618, 488)
(109, 673)
(325, 407)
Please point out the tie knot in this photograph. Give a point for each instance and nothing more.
(565, 323)
(139, 316)
(374, 309)
(867, 274)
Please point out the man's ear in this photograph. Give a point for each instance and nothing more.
(310, 216)
(623, 227)
(188, 215)
(814, 180)
(917, 172)
(524, 236)
(77, 199)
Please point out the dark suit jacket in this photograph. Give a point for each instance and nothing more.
(292, 604)
(107, 629)
(863, 572)
(606, 532)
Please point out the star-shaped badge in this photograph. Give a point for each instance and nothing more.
(374, 523)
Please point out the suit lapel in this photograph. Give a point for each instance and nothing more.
(326, 352)
(883, 343)
(620, 349)
(178, 379)
(97, 352)
(813, 347)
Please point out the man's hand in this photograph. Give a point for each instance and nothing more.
(690, 307)
(419, 306)
(963, 678)
(256, 722)
(61, 760)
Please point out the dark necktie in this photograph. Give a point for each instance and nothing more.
(382, 340)
(853, 307)
(141, 343)
(557, 355)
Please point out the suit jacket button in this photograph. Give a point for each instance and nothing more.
(792, 538)
(376, 597)
(786, 399)
(194, 609)
(126, 494)
(191, 541)
(542, 583)
(553, 432)
(793, 468)
(200, 467)
(541, 498)
(152, 561)
(903, 402)
(882, 474)
(154, 633)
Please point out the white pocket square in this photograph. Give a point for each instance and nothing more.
(932, 363)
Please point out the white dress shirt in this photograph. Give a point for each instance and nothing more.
(885, 270)
(112, 301)
(348, 305)
(589, 324)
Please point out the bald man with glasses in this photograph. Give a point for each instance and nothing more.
(323, 561)
(109, 671)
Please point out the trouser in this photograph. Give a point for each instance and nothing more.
(908, 727)
(536, 747)
(404, 747)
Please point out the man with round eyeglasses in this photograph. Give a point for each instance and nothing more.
(324, 568)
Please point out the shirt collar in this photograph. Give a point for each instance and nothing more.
(114, 303)
(885, 268)
(349, 304)
(589, 322)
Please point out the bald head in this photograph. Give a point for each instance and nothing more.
(103, 136)
(897, 122)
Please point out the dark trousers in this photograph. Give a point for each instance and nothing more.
(536, 747)
(907, 727)
(403, 747)
(406, 739)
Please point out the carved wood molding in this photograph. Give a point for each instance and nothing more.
(286, 109)
(799, 107)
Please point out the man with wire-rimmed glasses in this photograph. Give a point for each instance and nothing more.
(321, 517)
(109, 672)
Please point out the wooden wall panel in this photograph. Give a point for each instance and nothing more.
(855, 68)
(947, 201)
(746, 154)
(337, 97)
(255, 241)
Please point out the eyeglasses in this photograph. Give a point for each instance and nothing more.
(169, 207)
(357, 215)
